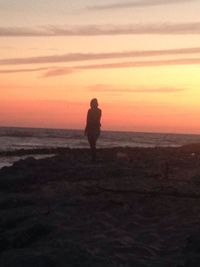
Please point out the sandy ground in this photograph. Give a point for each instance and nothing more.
(133, 207)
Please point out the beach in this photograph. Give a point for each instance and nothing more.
(133, 207)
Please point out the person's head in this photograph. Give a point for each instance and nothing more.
(94, 103)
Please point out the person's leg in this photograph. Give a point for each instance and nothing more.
(92, 141)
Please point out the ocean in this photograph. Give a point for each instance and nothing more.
(13, 139)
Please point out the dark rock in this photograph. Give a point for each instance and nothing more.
(72, 257)
(26, 236)
(191, 251)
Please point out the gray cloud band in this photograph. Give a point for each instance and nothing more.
(98, 30)
(58, 71)
(135, 64)
(138, 4)
(74, 57)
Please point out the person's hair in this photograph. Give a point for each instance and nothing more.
(94, 103)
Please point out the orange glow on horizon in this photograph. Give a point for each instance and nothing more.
(142, 65)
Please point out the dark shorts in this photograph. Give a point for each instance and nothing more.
(93, 135)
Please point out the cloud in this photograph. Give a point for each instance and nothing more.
(98, 30)
(138, 4)
(112, 88)
(59, 71)
(6, 47)
(73, 57)
(7, 71)
(132, 64)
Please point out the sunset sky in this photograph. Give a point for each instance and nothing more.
(140, 58)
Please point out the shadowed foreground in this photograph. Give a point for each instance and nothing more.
(134, 207)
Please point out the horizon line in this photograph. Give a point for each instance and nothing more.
(105, 130)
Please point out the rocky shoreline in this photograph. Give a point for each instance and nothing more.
(134, 207)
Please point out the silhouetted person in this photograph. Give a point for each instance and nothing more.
(93, 125)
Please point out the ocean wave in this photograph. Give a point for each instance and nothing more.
(27, 138)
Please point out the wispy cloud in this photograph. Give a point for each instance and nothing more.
(112, 88)
(22, 70)
(74, 57)
(138, 4)
(97, 30)
(59, 71)
(6, 47)
(132, 64)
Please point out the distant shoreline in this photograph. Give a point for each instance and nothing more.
(60, 150)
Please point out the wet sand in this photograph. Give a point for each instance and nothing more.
(133, 207)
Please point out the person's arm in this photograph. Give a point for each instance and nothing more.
(100, 113)
(87, 121)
